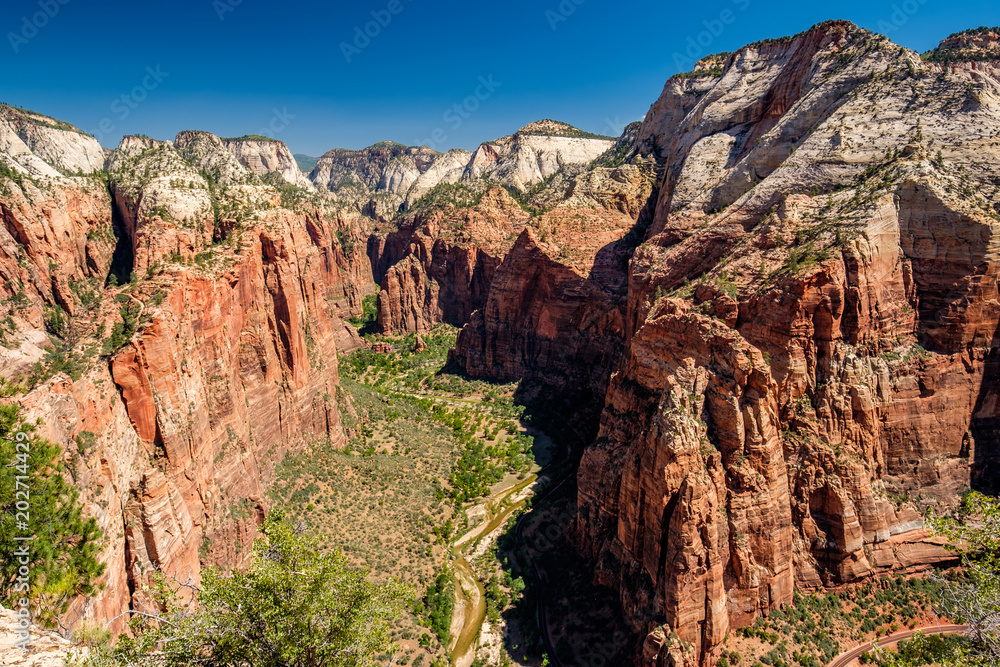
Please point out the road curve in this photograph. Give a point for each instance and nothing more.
(846, 658)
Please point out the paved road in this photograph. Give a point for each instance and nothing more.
(846, 658)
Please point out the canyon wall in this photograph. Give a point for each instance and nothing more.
(804, 363)
(226, 355)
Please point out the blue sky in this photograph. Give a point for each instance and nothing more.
(305, 72)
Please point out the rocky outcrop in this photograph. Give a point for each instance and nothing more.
(978, 44)
(47, 648)
(228, 359)
(387, 176)
(54, 143)
(210, 155)
(56, 243)
(264, 156)
(545, 324)
(438, 267)
(808, 337)
(534, 153)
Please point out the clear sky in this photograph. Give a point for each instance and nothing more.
(303, 71)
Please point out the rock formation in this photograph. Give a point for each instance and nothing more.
(534, 153)
(387, 178)
(772, 308)
(264, 156)
(807, 344)
(439, 264)
(47, 144)
(226, 330)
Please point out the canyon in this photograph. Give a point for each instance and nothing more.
(770, 310)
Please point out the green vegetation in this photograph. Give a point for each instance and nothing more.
(55, 518)
(295, 605)
(815, 628)
(963, 54)
(443, 195)
(922, 650)
(699, 73)
(439, 603)
(291, 195)
(8, 173)
(365, 323)
(387, 145)
(974, 531)
(618, 154)
(39, 119)
(251, 137)
(387, 495)
(123, 330)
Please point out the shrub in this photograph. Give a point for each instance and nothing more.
(294, 605)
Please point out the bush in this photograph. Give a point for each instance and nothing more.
(294, 605)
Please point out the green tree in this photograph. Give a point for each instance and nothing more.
(63, 558)
(974, 530)
(294, 606)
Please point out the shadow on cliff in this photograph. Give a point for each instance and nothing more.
(562, 614)
(123, 259)
(985, 428)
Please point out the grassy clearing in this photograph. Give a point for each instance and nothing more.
(423, 447)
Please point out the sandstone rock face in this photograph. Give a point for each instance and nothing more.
(387, 176)
(48, 649)
(233, 361)
(210, 154)
(979, 44)
(57, 144)
(808, 338)
(438, 267)
(164, 204)
(534, 153)
(268, 156)
(544, 323)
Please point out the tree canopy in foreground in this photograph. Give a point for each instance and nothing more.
(973, 600)
(294, 606)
